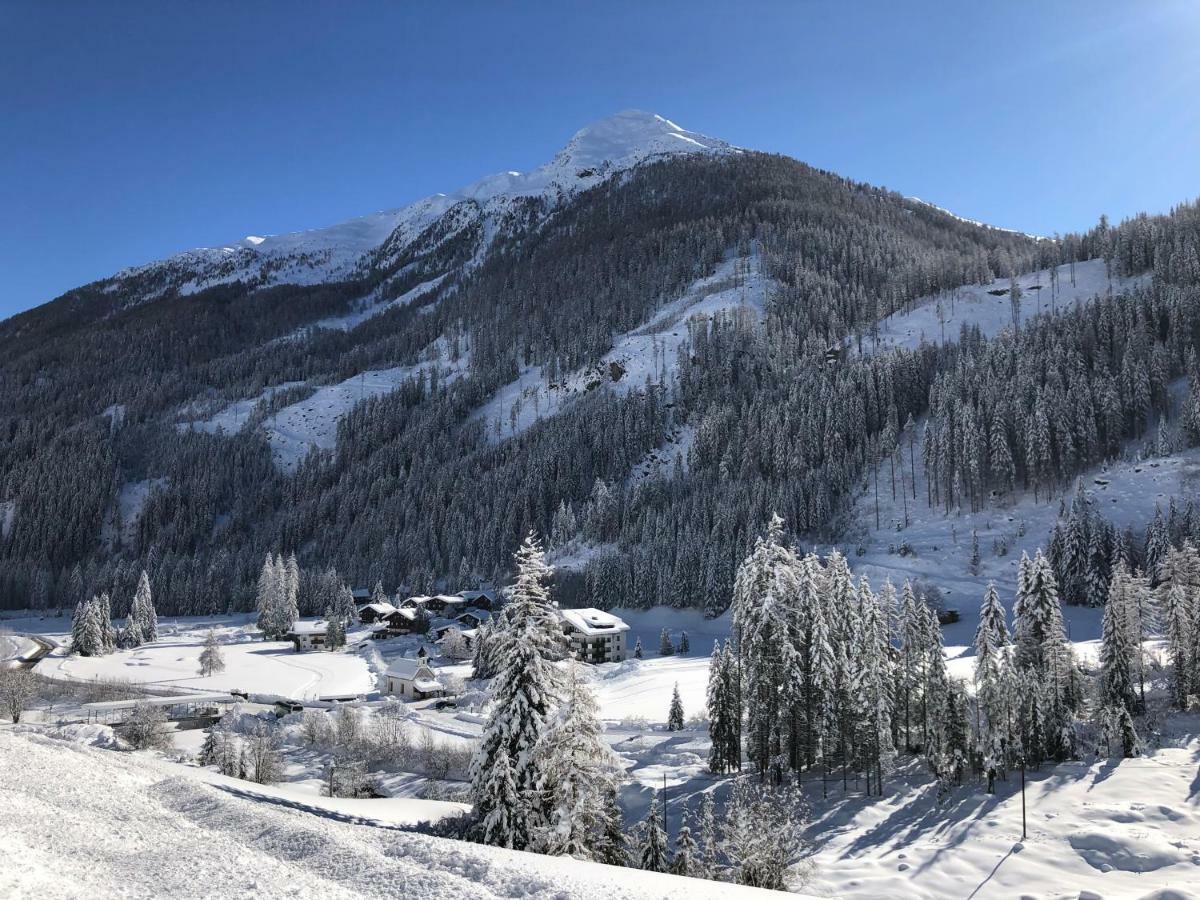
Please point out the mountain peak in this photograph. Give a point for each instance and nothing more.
(630, 136)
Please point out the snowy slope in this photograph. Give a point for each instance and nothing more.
(342, 251)
(647, 354)
(88, 822)
(938, 318)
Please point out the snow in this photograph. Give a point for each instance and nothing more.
(8, 515)
(13, 647)
(338, 252)
(296, 430)
(264, 667)
(592, 621)
(647, 354)
(370, 308)
(973, 304)
(131, 500)
(1125, 492)
(88, 822)
(660, 462)
(232, 418)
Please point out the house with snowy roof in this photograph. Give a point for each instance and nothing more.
(395, 622)
(594, 635)
(308, 635)
(412, 679)
(373, 612)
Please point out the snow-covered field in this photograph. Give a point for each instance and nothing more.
(263, 667)
(12, 647)
(647, 354)
(938, 318)
(87, 822)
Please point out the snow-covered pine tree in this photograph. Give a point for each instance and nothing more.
(78, 624)
(269, 596)
(706, 858)
(108, 632)
(991, 638)
(720, 713)
(499, 823)
(765, 594)
(335, 630)
(665, 647)
(1179, 616)
(684, 861)
(613, 845)
(1117, 653)
(523, 694)
(675, 713)
(685, 646)
(289, 611)
(912, 652)
(211, 660)
(652, 853)
(344, 605)
(873, 686)
(379, 595)
(638, 652)
(578, 773)
(143, 609)
(130, 636)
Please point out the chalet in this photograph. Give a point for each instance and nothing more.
(308, 635)
(420, 601)
(473, 618)
(413, 679)
(373, 612)
(360, 594)
(485, 598)
(594, 635)
(447, 605)
(397, 622)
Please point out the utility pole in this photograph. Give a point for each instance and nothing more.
(1024, 831)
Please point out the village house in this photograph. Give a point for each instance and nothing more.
(373, 612)
(485, 598)
(308, 635)
(397, 622)
(594, 635)
(412, 679)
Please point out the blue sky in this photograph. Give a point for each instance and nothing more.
(131, 131)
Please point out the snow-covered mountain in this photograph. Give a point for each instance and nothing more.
(352, 248)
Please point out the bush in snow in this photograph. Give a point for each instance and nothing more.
(17, 688)
(763, 834)
(146, 728)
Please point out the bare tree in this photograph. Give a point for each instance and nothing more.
(17, 688)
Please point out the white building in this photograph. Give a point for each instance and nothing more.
(308, 635)
(412, 679)
(595, 636)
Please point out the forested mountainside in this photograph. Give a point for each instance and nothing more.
(736, 277)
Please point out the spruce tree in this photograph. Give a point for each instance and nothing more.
(685, 861)
(665, 647)
(675, 715)
(652, 855)
(523, 694)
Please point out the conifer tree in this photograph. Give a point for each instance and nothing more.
(1116, 647)
(675, 715)
(707, 857)
(335, 630)
(143, 610)
(685, 861)
(578, 772)
(652, 855)
(523, 694)
(638, 653)
(665, 647)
